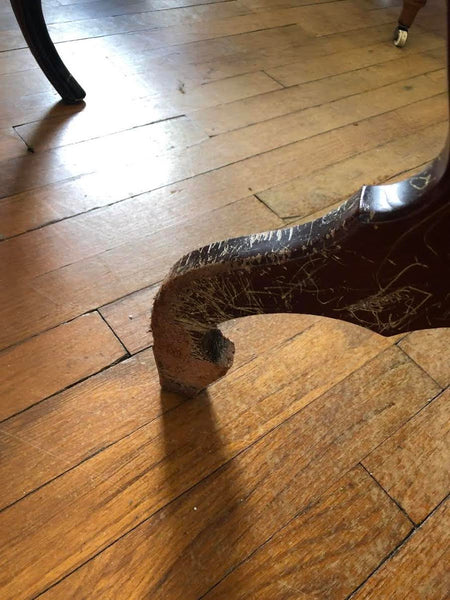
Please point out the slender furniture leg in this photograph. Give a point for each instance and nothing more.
(31, 21)
(410, 10)
(382, 261)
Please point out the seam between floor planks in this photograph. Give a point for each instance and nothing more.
(130, 293)
(323, 492)
(415, 530)
(218, 168)
(255, 441)
(221, 207)
(137, 196)
(127, 357)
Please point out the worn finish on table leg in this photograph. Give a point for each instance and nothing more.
(32, 23)
(381, 261)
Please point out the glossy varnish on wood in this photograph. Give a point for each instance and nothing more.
(319, 467)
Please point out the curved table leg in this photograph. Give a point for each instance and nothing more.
(382, 261)
(31, 21)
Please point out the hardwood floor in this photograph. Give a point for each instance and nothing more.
(318, 468)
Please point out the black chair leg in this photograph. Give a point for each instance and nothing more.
(32, 23)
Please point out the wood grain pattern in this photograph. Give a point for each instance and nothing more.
(420, 569)
(10, 144)
(163, 70)
(326, 550)
(232, 115)
(412, 466)
(49, 362)
(304, 196)
(60, 294)
(292, 199)
(430, 350)
(13, 253)
(323, 46)
(215, 188)
(112, 490)
(103, 154)
(94, 121)
(122, 148)
(341, 62)
(236, 509)
(129, 318)
(89, 417)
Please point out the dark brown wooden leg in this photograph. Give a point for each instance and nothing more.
(410, 10)
(382, 261)
(31, 21)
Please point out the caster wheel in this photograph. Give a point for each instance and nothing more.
(400, 37)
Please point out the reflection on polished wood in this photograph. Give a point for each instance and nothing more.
(227, 117)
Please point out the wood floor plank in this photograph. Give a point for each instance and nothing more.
(112, 489)
(341, 62)
(47, 204)
(85, 157)
(34, 208)
(164, 12)
(262, 55)
(95, 120)
(254, 174)
(163, 69)
(347, 17)
(419, 570)
(62, 431)
(64, 29)
(181, 33)
(229, 116)
(135, 46)
(129, 261)
(30, 107)
(48, 363)
(137, 5)
(12, 83)
(339, 181)
(326, 551)
(95, 413)
(103, 18)
(374, 4)
(58, 295)
(17, 452)
(228, 515)
(264, 4)
(393, 153)
(11, 39)
(16, 60)
(107, 153)
(398, 177)
(431, 350)
(412, 465)
(287, 39)
(129, 318)
(117, 6)
(328, 45)
(325, 19)
(240, 144)
(138, 48)
(11, 145)
(169, 70)
(122, 57)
